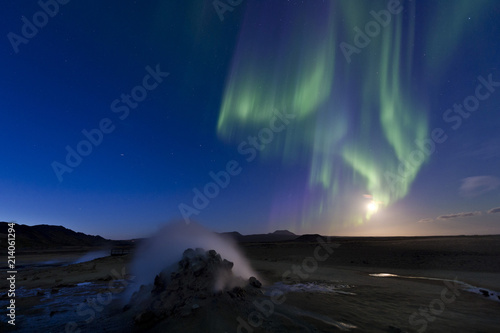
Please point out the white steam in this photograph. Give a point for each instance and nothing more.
(91, 256)
(164, 250)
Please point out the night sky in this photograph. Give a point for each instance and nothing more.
(347, 117)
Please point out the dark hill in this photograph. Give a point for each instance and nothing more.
(277, 236)
(308, 238)
(45, 236)
(233, 235)
(284, 233)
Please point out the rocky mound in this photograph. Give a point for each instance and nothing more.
(200, 278)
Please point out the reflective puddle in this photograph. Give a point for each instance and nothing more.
(490, 294)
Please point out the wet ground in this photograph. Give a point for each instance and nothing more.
(424, 285)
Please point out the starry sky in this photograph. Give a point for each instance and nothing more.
(336, 117)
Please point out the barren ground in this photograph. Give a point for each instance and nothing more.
(53, 296)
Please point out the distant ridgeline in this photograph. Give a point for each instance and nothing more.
(48, 236)
(277, 236)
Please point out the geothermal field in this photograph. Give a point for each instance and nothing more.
(235, 166)
(188, 279)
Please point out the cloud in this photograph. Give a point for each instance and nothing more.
(478, 185)
(483, 150)
(458, 215)
(427, 220)
(494, 210)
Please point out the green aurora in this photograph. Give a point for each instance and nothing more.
(357, 123)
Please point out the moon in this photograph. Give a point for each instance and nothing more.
(372, 207)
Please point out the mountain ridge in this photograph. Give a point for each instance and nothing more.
(45, 236)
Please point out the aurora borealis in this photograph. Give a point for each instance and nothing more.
(368, 82)
(358, 113)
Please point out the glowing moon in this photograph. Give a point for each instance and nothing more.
(372, 207)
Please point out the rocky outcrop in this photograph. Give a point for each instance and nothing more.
(201, 278)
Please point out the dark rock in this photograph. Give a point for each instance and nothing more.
(159, 284)
(144, 318)
(485, 293)
(254, 282)
(107, 278)
(65, 285)
(202, 294)
(189, 287)
(183, 264)
(237, 292)
(197, 267)
(185, 311)
(189, 253)
(173, 285)
(227, 264)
